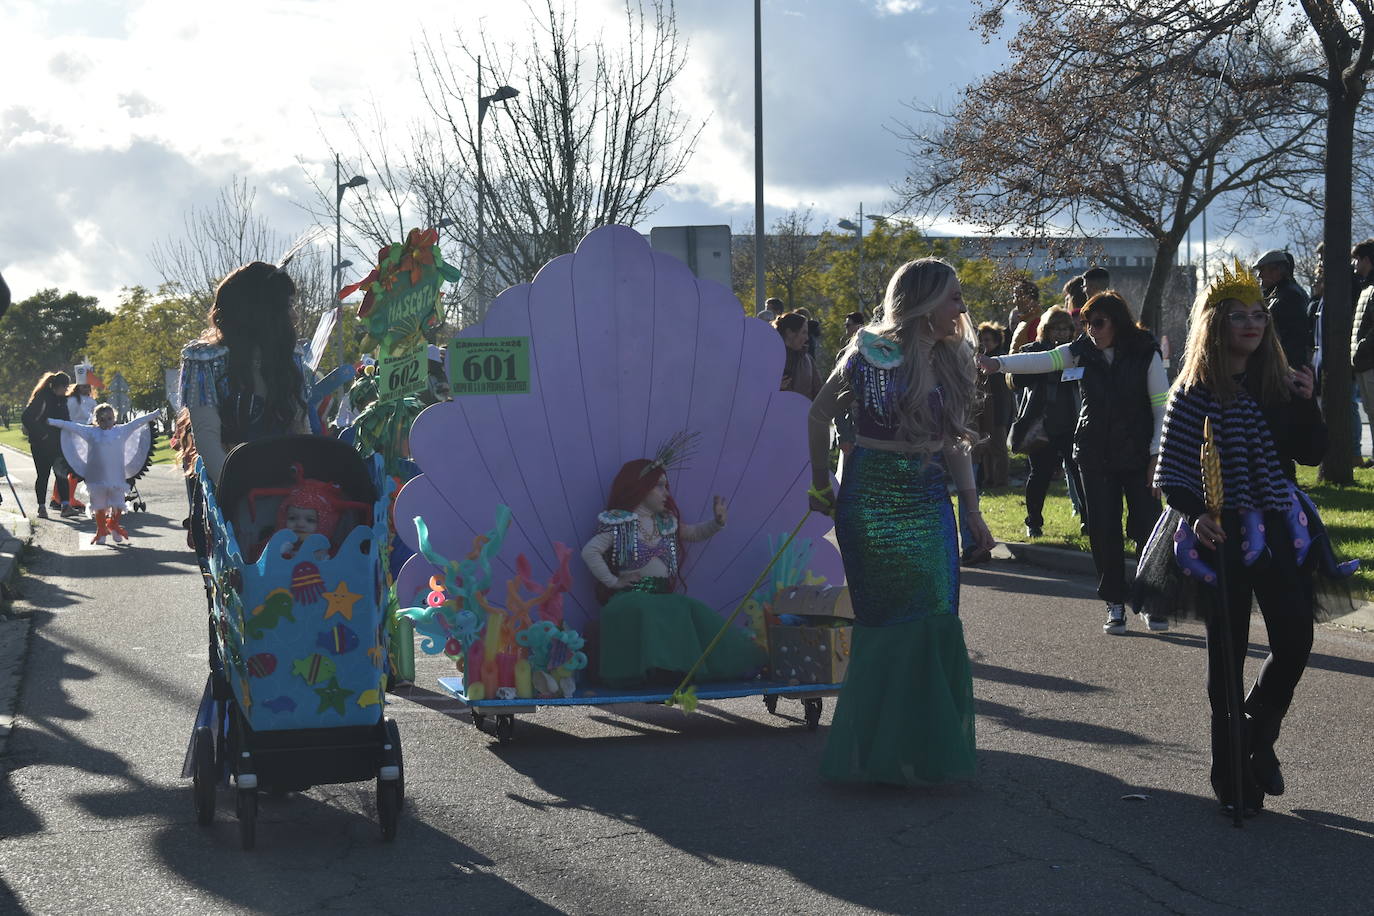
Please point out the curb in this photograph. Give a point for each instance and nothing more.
(14, 631)
(1060, 559)
(1078, 563)
(15, 532)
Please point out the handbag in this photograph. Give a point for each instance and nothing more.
(1028, 434)
(1030, 437)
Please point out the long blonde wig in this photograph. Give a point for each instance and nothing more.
(913, 292)
(1206, 362)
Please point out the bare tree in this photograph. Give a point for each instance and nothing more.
(218, 240)
(1079, 133)
(1333, 43)
(593, 133)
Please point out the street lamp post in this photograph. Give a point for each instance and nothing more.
(339, 264)
(858, 230)
(501, 94)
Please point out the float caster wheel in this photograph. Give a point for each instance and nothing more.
(203, 776)
(770, 702)
(248, 817)
(505, 728)
(812, 710)
(479, 721)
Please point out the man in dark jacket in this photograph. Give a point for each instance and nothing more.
(1287, 306)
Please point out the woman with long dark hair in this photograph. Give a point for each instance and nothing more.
(648, 629)
(905, 716)
(48, 402)
(243, 378)
(1268, 535)
(1116, 439)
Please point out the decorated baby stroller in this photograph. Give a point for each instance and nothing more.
(295, 696)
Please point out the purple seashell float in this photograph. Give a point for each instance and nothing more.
(627, 347)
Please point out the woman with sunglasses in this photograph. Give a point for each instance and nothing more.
(1116, 440)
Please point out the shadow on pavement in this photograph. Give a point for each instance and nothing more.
(1029, 834)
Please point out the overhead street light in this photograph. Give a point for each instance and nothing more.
(356, 181)
(502, 94)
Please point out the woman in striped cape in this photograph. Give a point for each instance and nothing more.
(1270, 540)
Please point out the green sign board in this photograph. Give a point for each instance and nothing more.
(489, 365)
(398, 376)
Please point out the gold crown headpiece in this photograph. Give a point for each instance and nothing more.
(1238, 283)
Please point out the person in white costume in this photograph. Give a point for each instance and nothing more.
(107, 455)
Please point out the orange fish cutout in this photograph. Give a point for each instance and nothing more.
(341, 602)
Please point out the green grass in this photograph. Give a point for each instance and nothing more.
(1347, 511)
(14, 437)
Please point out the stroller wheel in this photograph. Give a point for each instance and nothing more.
(388, 807)
(479, 720)
(203, 776)
(770, 703)
(393, 738)
(248, 817)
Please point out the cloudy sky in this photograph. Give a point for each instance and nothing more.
(119, 115)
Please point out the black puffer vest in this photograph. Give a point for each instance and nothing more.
(1115, 423)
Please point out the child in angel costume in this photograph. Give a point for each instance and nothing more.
(648, 631)
(107, 456)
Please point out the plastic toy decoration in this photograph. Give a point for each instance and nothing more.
(521, 650)
(626, 348)
(792, 568)
(402, 300)
(267, 610)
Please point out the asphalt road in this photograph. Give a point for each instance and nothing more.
(646, 810)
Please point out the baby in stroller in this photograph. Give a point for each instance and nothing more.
(296, 692)
(307, 507)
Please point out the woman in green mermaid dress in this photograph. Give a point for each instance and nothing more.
(647, 630)
(905, 716)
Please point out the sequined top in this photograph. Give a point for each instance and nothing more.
(618, 535)
(871, 394)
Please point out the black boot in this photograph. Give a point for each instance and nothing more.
(1263, 723)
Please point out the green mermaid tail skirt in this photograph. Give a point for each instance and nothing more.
(905, 715)
(641, 632)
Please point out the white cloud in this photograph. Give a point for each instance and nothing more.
(899, 7)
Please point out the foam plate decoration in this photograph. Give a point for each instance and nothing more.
(627, 347)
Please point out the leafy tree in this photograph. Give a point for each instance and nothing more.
(44, 333)
(142, 340)
(793, 261)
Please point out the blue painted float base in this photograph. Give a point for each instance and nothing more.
(609, 696)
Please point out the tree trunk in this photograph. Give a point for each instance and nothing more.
(1152, 306)
(1338, 306)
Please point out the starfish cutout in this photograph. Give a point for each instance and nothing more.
(375, 653)
(341, 602)
(332, 696)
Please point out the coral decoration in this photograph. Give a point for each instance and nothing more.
(522, 649)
